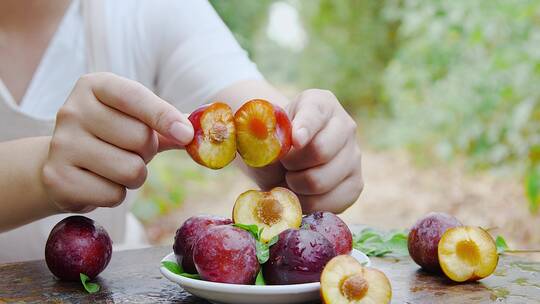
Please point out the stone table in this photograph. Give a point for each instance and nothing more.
(133, 277)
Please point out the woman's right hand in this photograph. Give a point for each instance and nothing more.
(106, 132)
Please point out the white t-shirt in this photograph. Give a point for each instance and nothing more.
(180, 49)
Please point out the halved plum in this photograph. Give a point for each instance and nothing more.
(214, 140)
(467, 254)
(345, 281)
(274, 211)
(263, 132)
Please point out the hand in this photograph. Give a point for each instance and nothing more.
(106, 132)
(324, 165)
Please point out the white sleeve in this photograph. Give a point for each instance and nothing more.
(197, 54)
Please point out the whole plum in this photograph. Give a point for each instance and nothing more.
(298, 256)
(424, 237)
(188, 233)
(226, 254)
(77, 245)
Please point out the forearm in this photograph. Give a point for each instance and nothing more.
(22, 196)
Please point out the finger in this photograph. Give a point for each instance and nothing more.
(85, 190)
(117, 165)
(323, 178)
(324, 146)
(312, 111)
(165, 144)
(121, 130)
(134, 99)
(337, 200)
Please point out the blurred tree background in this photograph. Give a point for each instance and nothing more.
(449, 82)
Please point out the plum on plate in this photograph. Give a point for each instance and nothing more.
(188, 233)
(298, 256)
(226, 254)
(424, 237)
(274, 211)
(77, 245)
(331, 227)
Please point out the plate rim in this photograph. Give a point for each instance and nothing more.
(245, 289)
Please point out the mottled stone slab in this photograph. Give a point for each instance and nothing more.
(133, 277)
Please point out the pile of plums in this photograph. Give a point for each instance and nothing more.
(220, 252)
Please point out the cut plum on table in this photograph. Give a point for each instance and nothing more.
(467, 254)
(226, 254)
(214, 139)
(273, 211)
(263, 132)
(344, 280)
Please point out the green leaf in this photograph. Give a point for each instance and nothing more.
(253, 229)
(375, 243)
(172, 267)
(177, 269)
(273, 241)
(90, 287)
(263, 252)
(500, 242)
(260, 279)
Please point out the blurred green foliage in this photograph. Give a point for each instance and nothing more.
(445, 79)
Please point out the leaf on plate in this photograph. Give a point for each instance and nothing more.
(253, 229)
(177, 269)
(260, 279)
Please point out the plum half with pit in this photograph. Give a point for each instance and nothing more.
(77, 245)
(424, 237)
(188, 233)
(331, 227)
(298, 256)
(226, 254)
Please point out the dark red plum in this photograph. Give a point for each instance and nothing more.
(226, 254)
(424, 237)
(299, 256)
(77, 245)
(331, 227)
(188, 233)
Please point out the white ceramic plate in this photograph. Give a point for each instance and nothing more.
(251, 294)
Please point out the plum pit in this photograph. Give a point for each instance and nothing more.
(218, 132)
(354, 287)
(269, 211)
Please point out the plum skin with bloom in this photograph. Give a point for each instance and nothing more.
(77, 245)
(188, 233)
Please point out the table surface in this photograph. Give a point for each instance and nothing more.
(133, 277)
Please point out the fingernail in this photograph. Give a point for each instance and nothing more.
(302, 137)
(181, 132)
